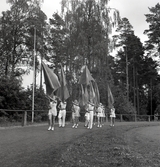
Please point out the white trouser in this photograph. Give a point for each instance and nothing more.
(62, 117)
(91, 113)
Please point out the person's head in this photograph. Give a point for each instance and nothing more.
(100, 104)
(75, 102)
(52, 98)
(64, 102)
(112, 107)
(91, 103)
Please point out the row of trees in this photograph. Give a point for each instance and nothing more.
(80, 35)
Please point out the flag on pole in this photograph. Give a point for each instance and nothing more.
(92, 95)
(62, 91)
(97, 96)
(86, 94)
(110, 98)
(82, 98)
(86, 77)
(51, 79)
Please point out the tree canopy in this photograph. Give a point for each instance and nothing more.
(82, 35)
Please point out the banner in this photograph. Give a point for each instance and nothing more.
(63, 92)
(97, 96)
(86, 77)
(110, 98)
(51, 80)
(82, 99)
(92, 95)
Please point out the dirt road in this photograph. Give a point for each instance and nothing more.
(34, 146)
(31, 144)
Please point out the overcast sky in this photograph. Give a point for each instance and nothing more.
(134, 10)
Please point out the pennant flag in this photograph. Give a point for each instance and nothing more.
(63, 92)
(86, 94)
(86, 77)
(92, 96)
(97, 96)
(51, 79)
(110, 98)
(82, 99)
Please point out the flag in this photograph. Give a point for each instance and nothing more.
(82, 99)
(51, 79)
(85, 77)
(63, 92)
(97, 96)
(92, 95)
(86, 94)
(110, 98)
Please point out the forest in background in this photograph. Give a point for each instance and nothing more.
(80, 35)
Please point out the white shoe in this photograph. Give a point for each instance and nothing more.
(98, 126)
(112, 125)
(52, 128)
(76, 127)
(49, 128)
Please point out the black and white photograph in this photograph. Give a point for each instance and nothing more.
(79, 83)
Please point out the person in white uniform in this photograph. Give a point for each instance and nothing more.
(91, 114)
(100, 115)
(112, 116)
(52, 112)
(86, 116)
(62, 113)
(75, 113)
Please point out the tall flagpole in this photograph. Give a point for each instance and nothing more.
(34, 54)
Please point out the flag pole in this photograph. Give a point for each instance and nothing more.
(34, 54)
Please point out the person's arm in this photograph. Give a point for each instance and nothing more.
(72, 109)
(59, 106)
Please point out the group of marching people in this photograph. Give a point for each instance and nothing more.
(91, 112)
(53, 112)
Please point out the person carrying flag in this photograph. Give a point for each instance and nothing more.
(91, 114)
(62, 113)
(52, 112)
(111, 107)
(112, 116)
(99, 115)
(75, 113)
